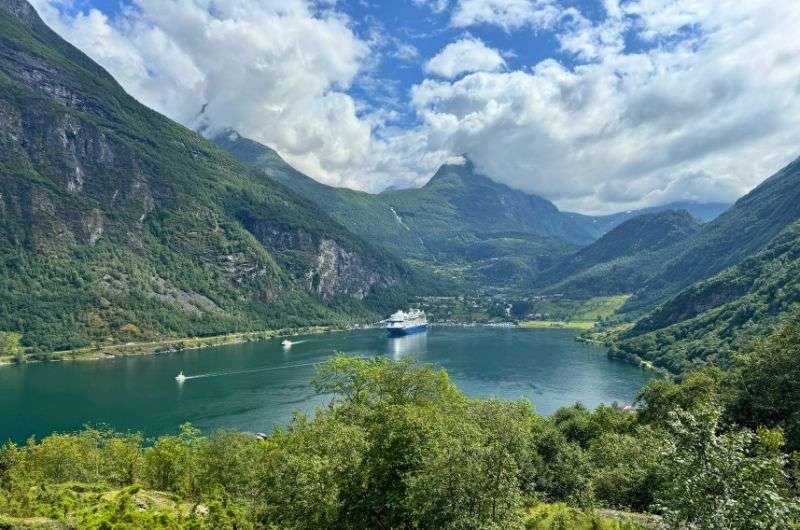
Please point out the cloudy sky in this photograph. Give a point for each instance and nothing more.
(598, 105)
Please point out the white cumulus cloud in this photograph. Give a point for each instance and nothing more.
(508, 14)
(275, 70)
(703, 117)
(465, 55)
(656, 100)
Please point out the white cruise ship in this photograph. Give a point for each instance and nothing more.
(406, 323)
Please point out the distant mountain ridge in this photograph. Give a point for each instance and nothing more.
(459, 216)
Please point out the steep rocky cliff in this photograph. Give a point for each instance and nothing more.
(119, 224)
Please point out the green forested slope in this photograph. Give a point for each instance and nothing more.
(360, 212)
(500, 235)
(638, 237)
(656, 275)
(119, 224)
(711, 319)
(740, 232)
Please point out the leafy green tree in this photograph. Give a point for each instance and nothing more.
(625, 468)
(227, 462)
(766, 382)
(169, 465)
(11, 345)
(722, 481)
(661, 397)
(561, 470)
(358, 381)
(469, 476)
(431, 458)
(303, 472)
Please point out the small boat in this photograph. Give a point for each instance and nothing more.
(286, 343)
(180, 377)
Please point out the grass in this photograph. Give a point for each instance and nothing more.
(585, 317)
(601, 307)
(556, 324)
(30, 523)
(560, 516)
(604, 335)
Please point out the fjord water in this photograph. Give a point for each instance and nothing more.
(253, 386)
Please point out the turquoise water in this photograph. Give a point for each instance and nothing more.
(254, 386)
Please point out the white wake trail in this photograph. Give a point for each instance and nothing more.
(251, 371)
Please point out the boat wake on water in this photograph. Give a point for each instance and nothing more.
(288, 343)
(183, 378)
(251, 371)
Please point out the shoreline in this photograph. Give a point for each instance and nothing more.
(135, 349)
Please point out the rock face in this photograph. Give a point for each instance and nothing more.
(113, 217)
(21, 10)
(324, 266)
(338, 271)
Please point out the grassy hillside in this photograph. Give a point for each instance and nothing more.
(573, 314)
(118, 224)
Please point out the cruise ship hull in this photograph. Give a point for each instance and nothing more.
(400, 332)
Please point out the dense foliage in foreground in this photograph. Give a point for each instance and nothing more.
(399, 447)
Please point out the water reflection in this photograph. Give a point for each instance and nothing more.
(415, 345)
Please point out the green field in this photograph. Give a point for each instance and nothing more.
(556, 324)
(601, 307)
(582, 315)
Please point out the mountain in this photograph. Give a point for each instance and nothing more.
(703, 211)
(457, 199)
(118, 224)
(709, 320)
(638, 237)
(743, 230)
(496, 234)
(360, 212)
(460, 217)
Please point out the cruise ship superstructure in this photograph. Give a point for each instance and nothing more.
(406, 323)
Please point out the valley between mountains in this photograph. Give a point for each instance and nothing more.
(118, 225)
(632, 371)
